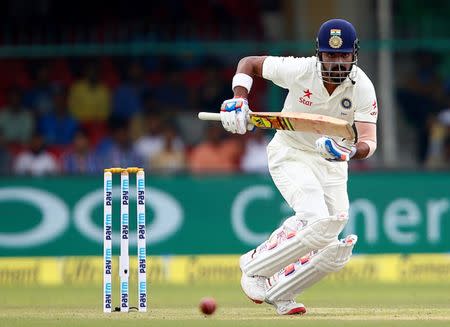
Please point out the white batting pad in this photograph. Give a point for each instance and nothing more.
(289, 243)
(296, 277)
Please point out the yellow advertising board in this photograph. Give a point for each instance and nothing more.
(419, 268)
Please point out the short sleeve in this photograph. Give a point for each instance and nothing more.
(284, 70)
(367, 106)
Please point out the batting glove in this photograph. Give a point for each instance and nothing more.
(234, 114)
(331, 150)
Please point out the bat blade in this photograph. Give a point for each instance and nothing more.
(303, 122)
(296, 121)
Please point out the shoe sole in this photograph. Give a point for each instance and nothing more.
(255, 301)
(296, 311)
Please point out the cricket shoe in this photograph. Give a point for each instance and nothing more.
(254, 287)
(289, 307)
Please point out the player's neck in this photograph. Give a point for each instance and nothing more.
(330, 87)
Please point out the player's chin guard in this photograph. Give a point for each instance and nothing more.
(337, 36)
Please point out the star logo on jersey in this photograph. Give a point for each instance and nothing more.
(304, 99)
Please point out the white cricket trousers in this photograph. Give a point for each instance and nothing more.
(314, 187)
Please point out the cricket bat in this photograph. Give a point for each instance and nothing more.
(296, 121)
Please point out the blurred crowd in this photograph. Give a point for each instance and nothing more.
(423, 95)
(55, 122)
(78, 116)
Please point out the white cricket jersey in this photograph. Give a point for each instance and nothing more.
(350, 102)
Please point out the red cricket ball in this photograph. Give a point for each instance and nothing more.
(208, 305)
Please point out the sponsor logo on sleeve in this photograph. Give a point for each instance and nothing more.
(374, 111)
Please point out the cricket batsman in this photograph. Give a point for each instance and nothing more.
(309, 170)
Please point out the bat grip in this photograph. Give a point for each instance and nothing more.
(209, 116)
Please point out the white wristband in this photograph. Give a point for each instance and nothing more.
(244, 80)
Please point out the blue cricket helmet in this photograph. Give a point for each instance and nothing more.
(337, 35)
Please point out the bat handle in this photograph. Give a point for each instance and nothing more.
(209, 116)
(213, 116)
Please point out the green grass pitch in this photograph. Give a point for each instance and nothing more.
(328, 304)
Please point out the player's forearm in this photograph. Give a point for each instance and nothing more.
(367, 140)
(241, 92)
(250, 66)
